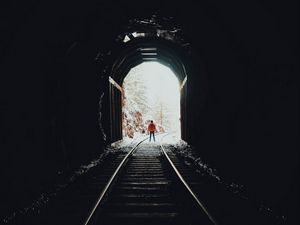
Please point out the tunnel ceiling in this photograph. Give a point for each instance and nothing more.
(151, 38)
(146, 50)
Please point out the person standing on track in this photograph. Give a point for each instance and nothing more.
(151, 129)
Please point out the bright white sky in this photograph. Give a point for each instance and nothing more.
(162, 88)
(162, 82)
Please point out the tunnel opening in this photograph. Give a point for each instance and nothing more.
(150, 91)
(160, 54)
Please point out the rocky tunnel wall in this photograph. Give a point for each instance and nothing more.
(242, 95)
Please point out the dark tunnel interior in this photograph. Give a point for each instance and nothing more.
(239, 107)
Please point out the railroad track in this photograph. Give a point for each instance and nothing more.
(147, 188)
(146, 185)
(143, 186)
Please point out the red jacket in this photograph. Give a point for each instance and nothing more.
(151, 127)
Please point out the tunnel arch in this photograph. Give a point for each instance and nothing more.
(134, 53)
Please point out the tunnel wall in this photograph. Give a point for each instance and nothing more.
(242, 95)
(115, 127)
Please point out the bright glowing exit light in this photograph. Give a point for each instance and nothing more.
(151, 92)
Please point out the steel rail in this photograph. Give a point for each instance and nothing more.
(109, 183)
(199, 203)
(107, 186)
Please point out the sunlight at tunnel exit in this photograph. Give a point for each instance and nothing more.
(151, 92)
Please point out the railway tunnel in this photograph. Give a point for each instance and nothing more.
(138, 52)
(61, 106)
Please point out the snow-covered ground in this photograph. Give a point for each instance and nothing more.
(164, 138)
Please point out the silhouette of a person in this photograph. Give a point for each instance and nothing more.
(151, 129)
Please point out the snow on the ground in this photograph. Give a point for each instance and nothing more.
(164, 138)
(129, 141)
(170, 138)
